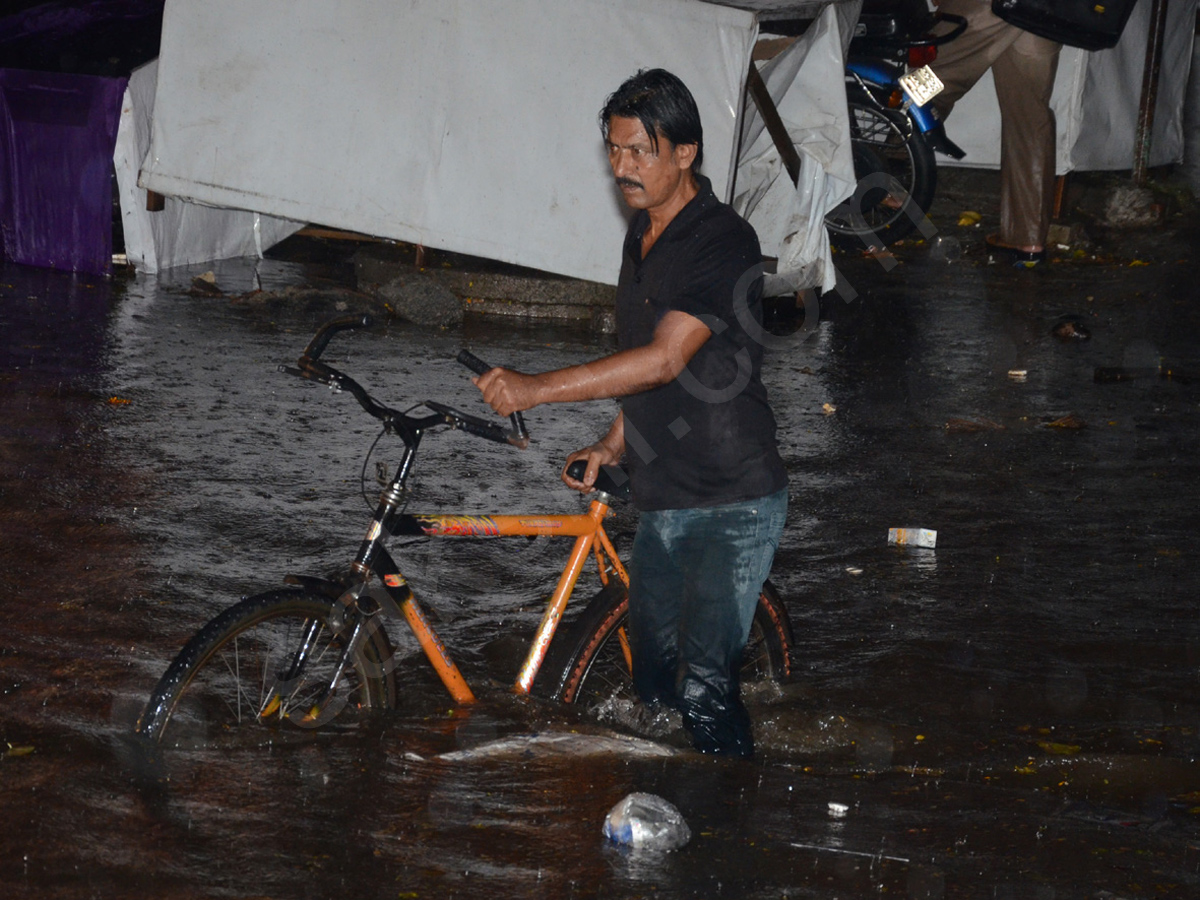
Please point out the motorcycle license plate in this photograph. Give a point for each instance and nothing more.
(922, 85)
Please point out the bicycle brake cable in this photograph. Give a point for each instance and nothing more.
(362, 476)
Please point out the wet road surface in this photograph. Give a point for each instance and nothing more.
(1009, 715)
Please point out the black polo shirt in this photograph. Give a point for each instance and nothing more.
(708, 437)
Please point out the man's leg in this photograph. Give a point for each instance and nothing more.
(1024, 76)
(961, 62)
(656, 586)
(727, 553)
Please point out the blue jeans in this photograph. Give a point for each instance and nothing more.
(694, 580)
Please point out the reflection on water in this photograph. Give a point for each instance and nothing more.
(1009, 715)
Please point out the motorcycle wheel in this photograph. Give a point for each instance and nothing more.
(896, 177)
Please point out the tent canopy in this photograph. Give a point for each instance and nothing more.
(465, 126)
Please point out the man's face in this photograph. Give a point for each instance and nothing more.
(647, 179)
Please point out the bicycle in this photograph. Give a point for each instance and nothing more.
(302, 655)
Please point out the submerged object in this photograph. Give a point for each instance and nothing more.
(646, 822)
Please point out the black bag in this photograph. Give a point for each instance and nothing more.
(1089, 24)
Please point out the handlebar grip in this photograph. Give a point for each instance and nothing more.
(473, 362)
(612, 480)
(322, 338)
(484, 430)
(520, 434)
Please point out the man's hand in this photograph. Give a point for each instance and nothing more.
(605, 452)
(507, 391)
(676, 339)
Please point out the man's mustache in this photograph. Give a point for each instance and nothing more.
(629, 182)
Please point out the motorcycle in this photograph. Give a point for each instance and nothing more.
(893, 131)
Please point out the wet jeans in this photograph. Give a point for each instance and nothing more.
(695, 577)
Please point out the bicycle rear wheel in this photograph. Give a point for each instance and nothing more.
(590, 666)
(261, 670)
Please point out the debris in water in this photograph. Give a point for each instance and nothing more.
(945, 249)
(1070, 328)
(1059, 749)
(646, 822)
(913, 537)
(1069, 421)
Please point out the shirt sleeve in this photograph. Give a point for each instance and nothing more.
(723, 270)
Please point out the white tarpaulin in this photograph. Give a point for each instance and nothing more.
(182, 232)
(460, 125)
(806, 82)
(1096, 99)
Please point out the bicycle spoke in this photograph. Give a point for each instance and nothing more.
(288, 703)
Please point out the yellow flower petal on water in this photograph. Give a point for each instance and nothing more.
(969, 217)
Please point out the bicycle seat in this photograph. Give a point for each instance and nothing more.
(612, 480)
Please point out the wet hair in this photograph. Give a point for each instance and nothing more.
(664, 106)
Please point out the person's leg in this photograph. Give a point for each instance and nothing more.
(656, 587)
(961, 62)
(1024, 76)
(727, 554)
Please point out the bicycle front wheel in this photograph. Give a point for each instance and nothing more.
(262, 670)
(591, 666)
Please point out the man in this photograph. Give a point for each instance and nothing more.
(695, 426)
(1023, 66)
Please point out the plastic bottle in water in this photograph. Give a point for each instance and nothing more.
(944, 248)
(646, 822)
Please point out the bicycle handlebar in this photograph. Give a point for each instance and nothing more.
(959, 23)
(326, 332)
(311, 368)
(519, 436)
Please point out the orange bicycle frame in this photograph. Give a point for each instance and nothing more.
(590, 538)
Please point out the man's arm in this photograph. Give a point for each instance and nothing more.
(676, 340)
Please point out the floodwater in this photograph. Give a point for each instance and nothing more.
(1011, 714)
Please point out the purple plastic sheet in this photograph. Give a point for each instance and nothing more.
(57, 135)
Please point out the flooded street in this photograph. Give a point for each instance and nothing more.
(1012, 714)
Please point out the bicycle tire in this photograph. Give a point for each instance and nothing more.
(883, 142)
(588, 667)
(212, 693)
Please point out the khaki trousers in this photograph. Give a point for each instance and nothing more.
(1023, 66)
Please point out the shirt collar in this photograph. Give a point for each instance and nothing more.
(704, 200)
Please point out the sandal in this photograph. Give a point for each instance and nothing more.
(1021, 259)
